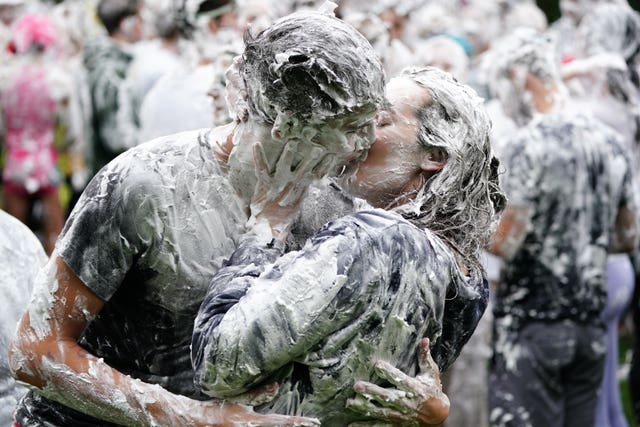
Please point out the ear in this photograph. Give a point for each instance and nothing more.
(430, 165)
(434, 160)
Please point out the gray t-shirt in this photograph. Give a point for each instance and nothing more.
(573, 175)
(147, 235)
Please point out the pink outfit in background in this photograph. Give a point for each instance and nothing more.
(29, 112)
(32, 29)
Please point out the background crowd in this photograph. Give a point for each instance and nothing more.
(82, 81)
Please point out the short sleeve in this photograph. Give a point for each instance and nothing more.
(520, 179)
(101, 238)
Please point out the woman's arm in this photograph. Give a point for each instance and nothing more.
(252, 324)
(45, 354)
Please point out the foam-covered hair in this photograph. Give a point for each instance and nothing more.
(312, 67)
(525, 48)
(613, 28)
(461, 202)
(508, 64)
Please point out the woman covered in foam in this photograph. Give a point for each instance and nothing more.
(33, 98)
(366, 286)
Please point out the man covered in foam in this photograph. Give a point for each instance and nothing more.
(571, 202)
(21, 253)
(105, 340)
(369, 285)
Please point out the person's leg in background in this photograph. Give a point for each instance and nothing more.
(583, 376)
(609, 412)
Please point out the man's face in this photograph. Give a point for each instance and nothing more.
(344, 141)
(349, 141)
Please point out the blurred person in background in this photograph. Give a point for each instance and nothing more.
(33, 100)
(166, 43)
(563, 30)
(191, 95)
(569, 181)
(603, 79)
(107, 59)
(21, 256)
(76, 22)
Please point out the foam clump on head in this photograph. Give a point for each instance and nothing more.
(309, 67)
(306, 89)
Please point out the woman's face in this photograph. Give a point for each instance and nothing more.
(393, 166)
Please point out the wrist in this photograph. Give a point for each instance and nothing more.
(265, 232)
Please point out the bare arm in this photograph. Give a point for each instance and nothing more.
(625, 233)
(45, 354)
(511, 232)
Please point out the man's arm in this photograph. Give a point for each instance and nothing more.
(625, 232)
(46, 355)
(511, 232)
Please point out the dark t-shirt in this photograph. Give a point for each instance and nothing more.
(147, 235)
(572, 176)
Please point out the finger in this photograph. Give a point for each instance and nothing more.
(367, 408)
(323, 167)
(399, 400)
(424, 355)
(284, 165)
(303, 175)
(293, 192)
(263, 174)
(260, 158)
(309, 162)
(425, 386)
(258, 396)
(428, 366)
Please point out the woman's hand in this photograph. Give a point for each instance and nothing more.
(416, 401)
